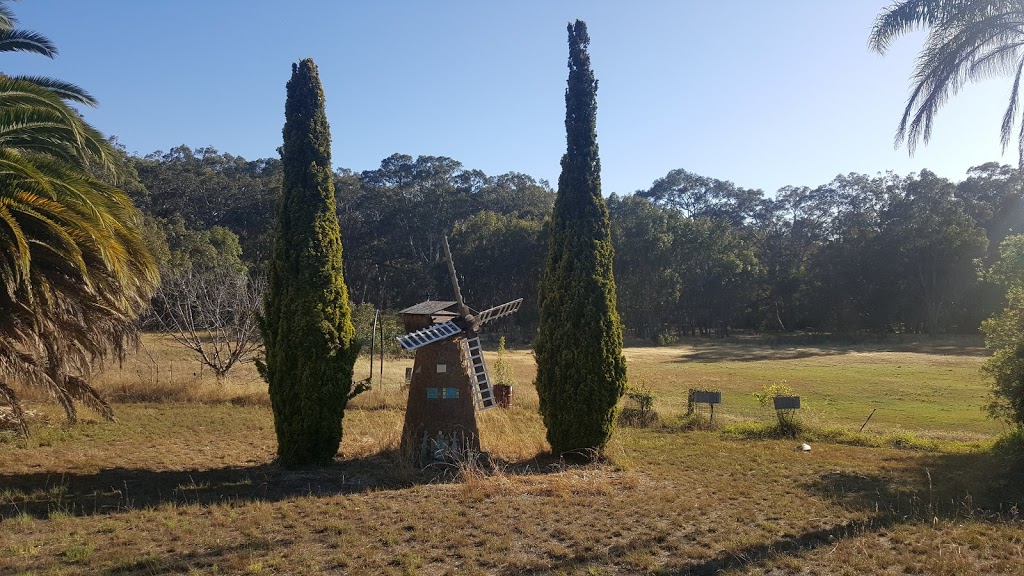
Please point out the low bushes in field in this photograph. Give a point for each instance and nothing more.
(1009, 449)
(899, 439)
(640, 411)
(694, 421)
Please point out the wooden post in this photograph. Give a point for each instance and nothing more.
(866, 421)
(373, 339)
(381, 350)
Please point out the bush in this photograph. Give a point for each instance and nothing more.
(1006, 369)
(769, 391)
(362, 319)
(787, 424)
(667, 339)
(695, 421)
(1009, 449)
(641, 413)
(503, 374)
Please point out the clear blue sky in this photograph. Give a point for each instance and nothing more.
(761, 93)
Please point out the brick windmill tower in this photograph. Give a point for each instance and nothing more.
(449, 377)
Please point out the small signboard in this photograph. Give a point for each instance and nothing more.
(787, 402)
(705, 397)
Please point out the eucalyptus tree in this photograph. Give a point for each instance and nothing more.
(934, 245)
(782, 238)
(207, 188)
(501, 257)
(968, 40)
(648, 283)
(992, 196)
(699, 196)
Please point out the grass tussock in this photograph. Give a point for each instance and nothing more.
(638, 418)
(695, 421)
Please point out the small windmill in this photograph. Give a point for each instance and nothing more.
(449, 377)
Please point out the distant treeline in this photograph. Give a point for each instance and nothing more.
(694, 255)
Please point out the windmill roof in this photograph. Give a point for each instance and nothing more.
(430, 307)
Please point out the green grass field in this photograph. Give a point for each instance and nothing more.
(184, 481)
(933, 391)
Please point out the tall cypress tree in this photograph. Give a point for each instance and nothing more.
(581, 373)
(307, 325)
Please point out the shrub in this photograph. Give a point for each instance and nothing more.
(695, 421)
(768, 392)
(502, 368)
(641, 413)
(787, 424)
(667, 339)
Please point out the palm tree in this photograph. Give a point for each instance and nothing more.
(967, 40)
(74, 272)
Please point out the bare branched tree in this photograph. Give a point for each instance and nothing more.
(214, 314)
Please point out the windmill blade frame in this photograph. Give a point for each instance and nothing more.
(429, 335)
(499, 311)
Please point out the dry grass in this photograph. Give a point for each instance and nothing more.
(184, 482)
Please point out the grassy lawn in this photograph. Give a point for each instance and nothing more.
(932, 391)
(184, 482)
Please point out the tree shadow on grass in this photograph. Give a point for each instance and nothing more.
(712, 353)
(971, 487)
(983, 487)
(206, 559)
(760, 350)
(114, 490)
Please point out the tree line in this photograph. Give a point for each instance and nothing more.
(694, 255)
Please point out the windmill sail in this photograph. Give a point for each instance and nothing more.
(481, 382)
(498, 311)
(428, 335)
(454, 277)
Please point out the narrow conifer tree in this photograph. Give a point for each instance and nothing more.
(307, 325)
(581, 373)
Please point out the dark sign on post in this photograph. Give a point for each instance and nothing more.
(703, 397)
(787, 402)
(709, 397)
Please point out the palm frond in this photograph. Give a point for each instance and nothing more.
(1011, 109)
(11, 399)
(13, 40)
(967, 40)
(7, 19)
(80, 390)
(13, 232)
(903, 17)
(66, 90)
